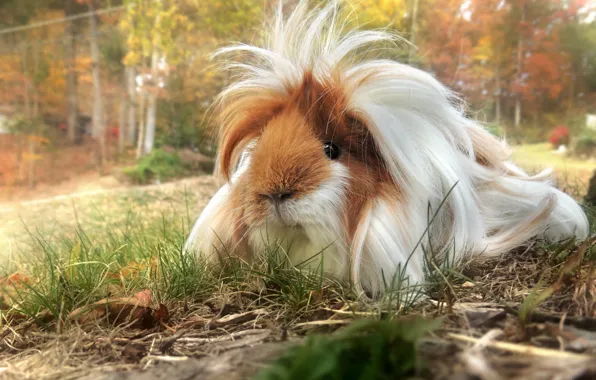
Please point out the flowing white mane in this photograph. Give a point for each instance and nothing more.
(431, 149)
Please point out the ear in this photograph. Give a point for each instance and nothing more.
(242, 120)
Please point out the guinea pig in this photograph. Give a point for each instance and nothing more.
(364, 164)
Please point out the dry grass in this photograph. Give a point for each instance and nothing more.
(230, 324)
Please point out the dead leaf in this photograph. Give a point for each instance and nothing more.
(134, 352)
(143, 297)
(135, 310)
(15, 279)
(162, 314)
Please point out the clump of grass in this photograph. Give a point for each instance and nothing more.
(366, 349)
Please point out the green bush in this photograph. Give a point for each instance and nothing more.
(585, 144)
(158, 165)
(527, 134)
(496, 130)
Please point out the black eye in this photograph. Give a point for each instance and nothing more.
(331, 150)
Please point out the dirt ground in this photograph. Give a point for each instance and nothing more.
(231, 336)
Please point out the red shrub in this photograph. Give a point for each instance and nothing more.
(559, 136)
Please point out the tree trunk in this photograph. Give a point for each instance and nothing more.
(520, 48)
(27, 106)
(31, 175)
(572, 90)
(35, 84)
(36, 103)
(98, 116)
(123, 113)
(498, 105)
(26, 84)
(132, 123)
(70, 53)
(413, 31)
(151, 107)
(497, 91)
(141, 134)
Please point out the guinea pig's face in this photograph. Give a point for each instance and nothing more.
(290, 164)
(304, 169)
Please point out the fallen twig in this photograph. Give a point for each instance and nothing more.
(351, 313)
(327, 322)
(522, 349)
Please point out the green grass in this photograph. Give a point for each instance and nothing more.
(115, 245)
(71, 266)
(74, 270)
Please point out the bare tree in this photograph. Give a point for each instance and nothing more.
(70, 58)
(129, 73)
(413, 31)
(520, 49)
(98, 114)
(151, 106)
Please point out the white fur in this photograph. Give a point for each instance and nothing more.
(426, 141)
(311, 225)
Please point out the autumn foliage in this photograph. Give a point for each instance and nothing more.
(559, 136)
(527, 65)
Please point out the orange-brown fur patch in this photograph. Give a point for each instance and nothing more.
(289, 157)
(243, 120)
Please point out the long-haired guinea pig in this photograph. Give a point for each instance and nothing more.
(366, 163)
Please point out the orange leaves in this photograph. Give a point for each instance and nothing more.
(15, 279)
(476, 51)
(10, 286)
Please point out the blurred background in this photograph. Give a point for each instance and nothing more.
(98, 94)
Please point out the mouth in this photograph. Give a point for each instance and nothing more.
(280, 215)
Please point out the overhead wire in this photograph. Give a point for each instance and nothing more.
(60, 20)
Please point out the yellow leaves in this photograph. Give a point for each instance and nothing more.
(31, 157)
(135, 269)
(378, 13)
(154, 25)
(38, 139)
(484, 50)
(132, 58)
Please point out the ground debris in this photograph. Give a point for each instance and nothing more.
(231, 334)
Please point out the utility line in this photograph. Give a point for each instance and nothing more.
(7, 48)
(60, 20)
